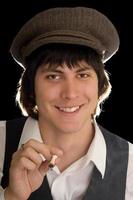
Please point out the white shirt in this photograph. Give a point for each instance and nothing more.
(75, 179)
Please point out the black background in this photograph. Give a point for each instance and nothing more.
(117, 114)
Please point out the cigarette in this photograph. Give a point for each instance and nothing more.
(52, 161)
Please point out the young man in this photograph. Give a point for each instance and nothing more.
(59, 151)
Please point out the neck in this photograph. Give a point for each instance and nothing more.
(73, 145)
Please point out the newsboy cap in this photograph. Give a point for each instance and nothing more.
(74, 25)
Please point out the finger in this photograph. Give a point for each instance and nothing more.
(16, 156)
(24, 163)
(46, 150)
(32, 155)
(44, 167)
(39, 148)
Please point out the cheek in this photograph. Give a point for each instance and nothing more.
(92, 99)
(92, 90)
(44, 93)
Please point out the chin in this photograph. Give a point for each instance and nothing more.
(70, 129)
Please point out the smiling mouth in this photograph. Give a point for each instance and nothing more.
(68, 109)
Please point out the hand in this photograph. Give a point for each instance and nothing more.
(28, 169)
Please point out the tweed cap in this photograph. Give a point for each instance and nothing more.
(76, 25)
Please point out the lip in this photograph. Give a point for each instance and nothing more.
(60, 109)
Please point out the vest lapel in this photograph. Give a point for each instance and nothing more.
(43, 192)
(113, 185)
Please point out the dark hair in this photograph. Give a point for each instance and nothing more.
(55, 55)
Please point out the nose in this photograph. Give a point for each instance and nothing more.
(70, 90)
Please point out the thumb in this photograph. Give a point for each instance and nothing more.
(44, 168)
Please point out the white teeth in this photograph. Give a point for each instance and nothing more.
(72, 109)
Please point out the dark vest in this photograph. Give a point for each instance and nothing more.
(111, 187)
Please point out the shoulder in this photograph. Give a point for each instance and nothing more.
(130, 159)
(12, 122)
(2, 145)
(2, 124)
(129, 182)
(2, 131)
(9, 124)
(17, 120)
(5, 129)
(114, 139)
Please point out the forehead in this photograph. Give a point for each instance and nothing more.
(79, 64)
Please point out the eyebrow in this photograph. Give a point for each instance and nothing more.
(83, 69)
(78, 69)
(52, 70)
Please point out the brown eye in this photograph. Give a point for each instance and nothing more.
(83, 76)
(53, 77)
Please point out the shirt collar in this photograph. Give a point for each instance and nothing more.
(96, 152)
(30, 131)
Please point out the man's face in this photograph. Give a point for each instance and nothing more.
(66, 98)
